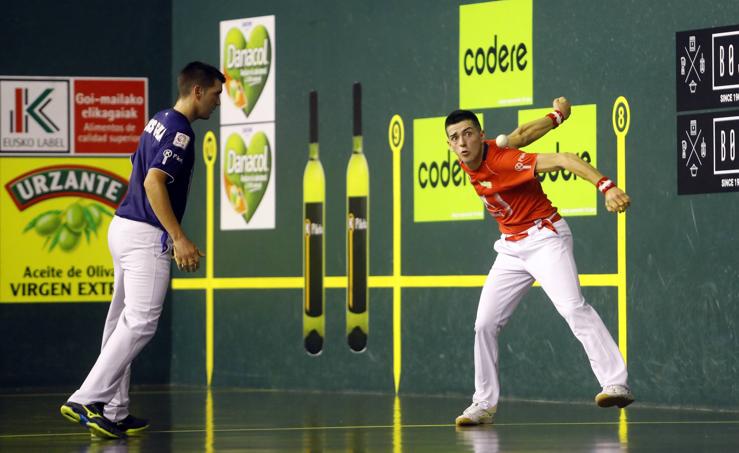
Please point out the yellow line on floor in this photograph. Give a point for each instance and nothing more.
(447, 425)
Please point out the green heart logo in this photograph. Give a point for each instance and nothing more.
(247, 173)
(247, 66)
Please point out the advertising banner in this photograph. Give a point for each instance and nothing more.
(707, 73)
(707, 152)
(109, 115)
(34, 115)
(248, 61)
(248, 177)
(71, 115)
(573, 196)
(55, 214)
(496, 54)
(441, 189)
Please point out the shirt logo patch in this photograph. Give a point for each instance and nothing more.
(520, 166)
(181, 140)
(167, 154)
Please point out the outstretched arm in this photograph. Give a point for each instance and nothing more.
(528, 133)
(616, 199)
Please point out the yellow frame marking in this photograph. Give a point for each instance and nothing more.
(397, 281)
(210, 151)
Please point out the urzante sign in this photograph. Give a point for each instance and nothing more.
(55, 214)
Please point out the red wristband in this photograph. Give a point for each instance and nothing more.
(604, 184)
(557, 118)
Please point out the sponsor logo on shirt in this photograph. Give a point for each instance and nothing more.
(520, 166)
(181, 140)
(168, 153)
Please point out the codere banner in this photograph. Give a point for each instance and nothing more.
(441, 189)
(496, 54)
(572, 196)
(55, 214)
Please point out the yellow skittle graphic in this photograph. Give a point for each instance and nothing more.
(314, 197)
(357, 236)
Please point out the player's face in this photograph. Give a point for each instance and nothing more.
(465, 139)
(209, 99)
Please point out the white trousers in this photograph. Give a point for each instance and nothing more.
(141, 273)
(547, 257)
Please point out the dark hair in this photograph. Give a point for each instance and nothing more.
(458, 116)
(197, 73)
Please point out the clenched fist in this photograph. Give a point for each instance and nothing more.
(563, 105)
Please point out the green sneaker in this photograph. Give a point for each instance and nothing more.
(132, 425)
(91, 417)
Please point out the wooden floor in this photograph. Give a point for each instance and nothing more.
(195, 420)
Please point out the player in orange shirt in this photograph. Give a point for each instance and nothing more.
(535, 244)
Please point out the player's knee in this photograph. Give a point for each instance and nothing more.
(575, 310)
(570, 305)
(488, 326)
(143, 324)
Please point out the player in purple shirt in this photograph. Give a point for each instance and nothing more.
(167, 145)
(144, 236)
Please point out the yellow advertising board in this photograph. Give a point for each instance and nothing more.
(573, 196)
(55, 214)
(496, 54)
(441, 189)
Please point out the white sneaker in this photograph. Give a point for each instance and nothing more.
(476, 414)
(614, 395)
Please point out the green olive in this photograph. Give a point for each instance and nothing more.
(75, 218)
(94, 217)
(47, 223)
(68, 239)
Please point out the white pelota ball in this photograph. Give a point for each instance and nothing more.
(501, 141)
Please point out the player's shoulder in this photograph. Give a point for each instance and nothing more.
(178, 128)
(497, 152)
(505, 159)
(174, 120)
(493, 150)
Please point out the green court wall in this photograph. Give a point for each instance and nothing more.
(681, 271)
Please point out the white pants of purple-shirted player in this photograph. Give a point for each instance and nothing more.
(142, 273)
